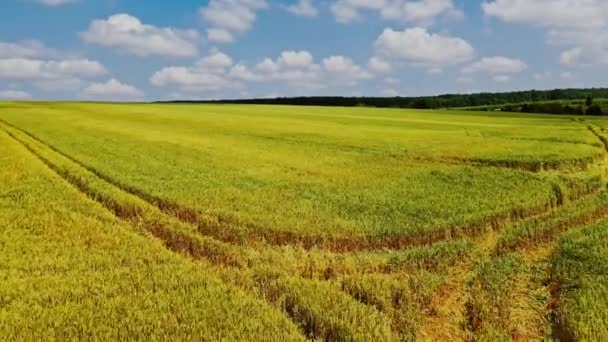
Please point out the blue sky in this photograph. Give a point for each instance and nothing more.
(158, 50)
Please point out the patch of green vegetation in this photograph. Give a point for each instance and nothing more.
(588, 106)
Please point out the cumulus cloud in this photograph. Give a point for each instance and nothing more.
(580, 26)
(422, 12)
(127, 33)
(581, 47)
(347, 11)
(14, 95)
(497, 65)
(296, 59)
(344, 68)
(419, 46)
(45, 68)
(303, 8)
(34, 69)
(226, 18)
(220, 35)
(112, 89)
(296, 69)
(573, 14)
(27, 49)
(379, 65)
(209, 73)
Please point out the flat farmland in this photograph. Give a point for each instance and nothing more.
(307, 222)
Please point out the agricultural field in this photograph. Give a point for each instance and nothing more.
(246, 222)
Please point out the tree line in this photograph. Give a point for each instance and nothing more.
(426, 102)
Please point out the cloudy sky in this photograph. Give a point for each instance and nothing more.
(159, 49)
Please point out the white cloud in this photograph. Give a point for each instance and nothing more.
(241, 72)
(347, 11)
(207, 74)
(571, 14)
(422, 12)
(434, 71)
(344, 68)
(14, 95)
(378, 65)
(417, 45)
(295, 69)
(216, 59)
(112, 89)
(304, 8)
(27, 49)
(220, 35)
(497, 65)
(128, 33)
(295, 59)
(34, 69)
(190, 79)
(580, 26)
(229, 17)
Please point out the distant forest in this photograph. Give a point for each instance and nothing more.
(428, 102)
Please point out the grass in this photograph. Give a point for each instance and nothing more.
(241, 222)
